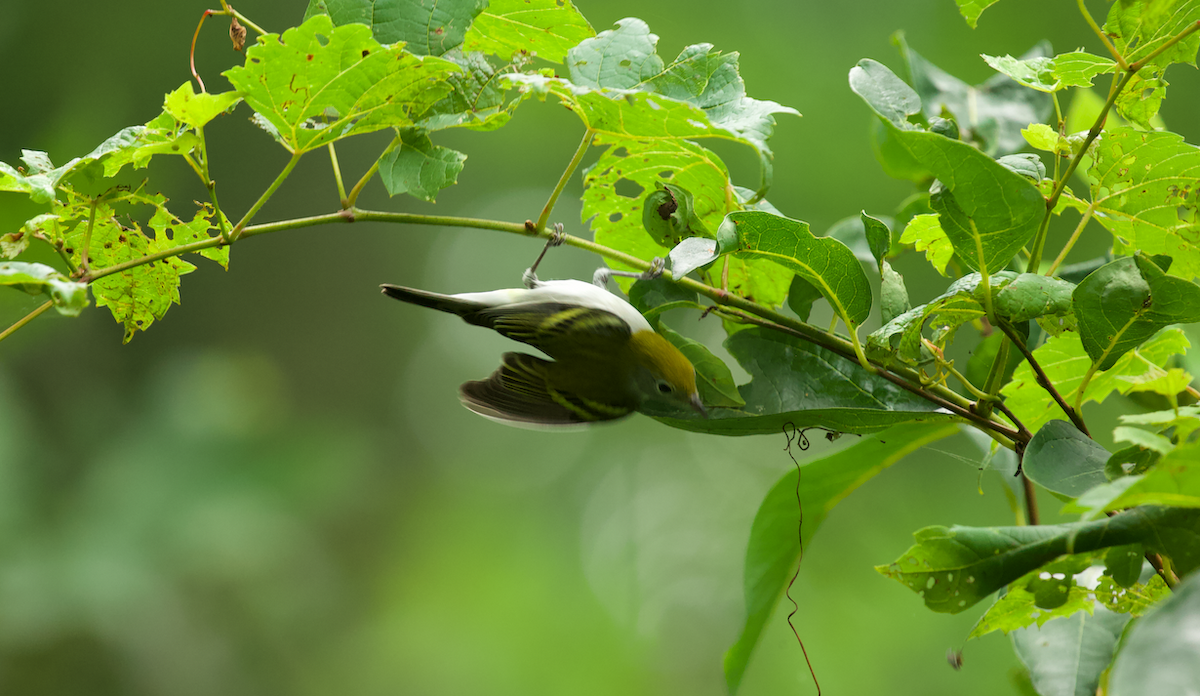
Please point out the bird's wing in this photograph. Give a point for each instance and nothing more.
(521, 392)
(548, 325)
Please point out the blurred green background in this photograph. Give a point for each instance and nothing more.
(275, 491)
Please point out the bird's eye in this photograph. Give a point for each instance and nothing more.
(664, 388)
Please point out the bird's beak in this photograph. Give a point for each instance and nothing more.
(698, 405)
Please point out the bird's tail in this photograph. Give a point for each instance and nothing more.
(433, 300)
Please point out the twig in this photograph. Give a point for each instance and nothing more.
(26, 319)
(566, 176)
(1042, 379)
(1031, 506)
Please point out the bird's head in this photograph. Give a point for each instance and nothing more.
(665, 375)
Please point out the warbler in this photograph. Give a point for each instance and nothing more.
(607, 360)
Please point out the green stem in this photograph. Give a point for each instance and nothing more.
(26, 319)
(938, 394)
(266, 196)
(1138, 65)
(1031, 507)
(337, 176)
(1043, 379)
(1103, 37)
(211, 186)
(566, 176)
(350, 200)
(995, 378)
(1061, 184)
(1062, 255)
(244, 20)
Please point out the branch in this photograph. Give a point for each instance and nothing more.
(1042, 379)
(903, 377)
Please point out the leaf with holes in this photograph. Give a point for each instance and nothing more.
(545, 28)
(615, 188)
(428, 28)
(1158, 655)
(1146, 192)
(319, 83)
(620, 88)
(952, 568)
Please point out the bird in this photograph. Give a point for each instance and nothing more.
(607, 360)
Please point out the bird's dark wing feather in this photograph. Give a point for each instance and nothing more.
(547, 325)
(520, 391)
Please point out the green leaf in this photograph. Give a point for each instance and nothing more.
(990, 115)
(1076, 69)
(1124, 564)
(988, 211)
(713, 378)
(1068, 655)
(1065, 362)
(545, 28)
(1138, 28)
(1159, 654)
(692, 253)
(1125, 302)
(1063, 460)
(418, 167)
(478, 100)
(774, 547)
(801, 296)
(669, 216)
(69, 297)
(319, 83)
(1143, 190)
(1043, 137)
(879, 237)
(825, 262)
(893, 295)
(926, 234)
(1016, 298)
(196, 110)
(953, 568)
(798, 383)
(1134, 600)
(616, 186)
(429, 29)
(971, 9)
(38, 178)
(1019, 605)
(619, 88)
(1174, 480)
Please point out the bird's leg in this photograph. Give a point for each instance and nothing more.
(529, 278)
(602, 274)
